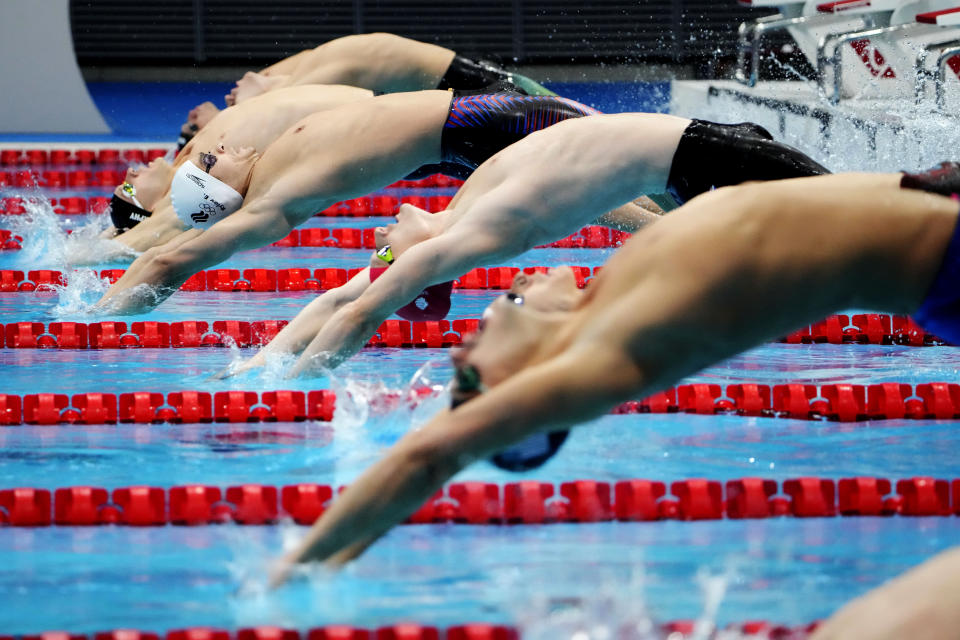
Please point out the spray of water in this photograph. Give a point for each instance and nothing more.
(47, 245)
(616, 612)
(84, 287)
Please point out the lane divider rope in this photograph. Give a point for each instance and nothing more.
(675, 630)
(13, 159)
(871, 328)
(267, 280)
(111, 334)
(835, 402)
(485, 503)
(375, 205)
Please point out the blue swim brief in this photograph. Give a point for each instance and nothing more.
(940, 311)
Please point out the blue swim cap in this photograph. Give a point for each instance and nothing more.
(530, 453)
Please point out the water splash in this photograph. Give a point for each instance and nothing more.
(87, 246)
(84, 287)
(618, 613)
(371, 415)
(46, 243)
(612, 613)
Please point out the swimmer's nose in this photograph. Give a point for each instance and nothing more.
(520, 280)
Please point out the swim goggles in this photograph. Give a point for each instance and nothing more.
(385, 254)
(467, 385)
(131, 192)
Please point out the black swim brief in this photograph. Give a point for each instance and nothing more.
(712, 155)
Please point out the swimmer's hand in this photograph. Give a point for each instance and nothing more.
(227, 372)
(380, 498)
(133, 301)
(237, 368)
(922, 603)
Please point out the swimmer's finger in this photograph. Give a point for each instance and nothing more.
(280, 573)
(222, 374)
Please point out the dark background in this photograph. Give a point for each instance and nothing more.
(519, 31)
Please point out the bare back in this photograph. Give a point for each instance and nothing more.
(348, 152)
(558, 179)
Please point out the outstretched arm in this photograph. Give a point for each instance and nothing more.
(297, 335)
(433, 261)
(674, 298)
(559, 393)
(167, 267)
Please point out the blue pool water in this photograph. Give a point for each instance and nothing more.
(551, 580)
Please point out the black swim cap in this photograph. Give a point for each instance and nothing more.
(126, 215)
(184, 138)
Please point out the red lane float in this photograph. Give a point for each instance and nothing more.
(197, 333)
(103, 155)
(835, 402)
(371, 206)
(479, 503)
(9, 241)
(186, 407)
(295, 279)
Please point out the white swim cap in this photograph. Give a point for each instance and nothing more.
(199, 199)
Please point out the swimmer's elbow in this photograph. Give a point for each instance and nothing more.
(169, 265)
(356, 313)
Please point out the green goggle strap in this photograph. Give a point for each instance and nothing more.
(385, 254)
(131, 191)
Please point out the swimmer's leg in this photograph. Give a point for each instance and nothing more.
(712, 155)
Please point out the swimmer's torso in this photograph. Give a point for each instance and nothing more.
(350, 151)
(259, 121)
